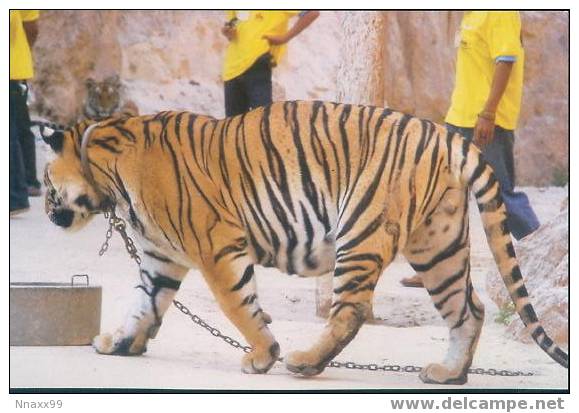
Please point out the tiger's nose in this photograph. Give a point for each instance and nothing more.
(62, 217)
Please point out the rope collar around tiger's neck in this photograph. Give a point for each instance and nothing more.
(106, 203)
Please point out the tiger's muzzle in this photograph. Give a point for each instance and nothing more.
(62, 217)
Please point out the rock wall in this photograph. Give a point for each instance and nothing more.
(543, 135)
(172, 60)
(544, 261)
(419, 71)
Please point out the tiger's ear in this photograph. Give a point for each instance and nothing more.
(89, 83)
(114, 81)
(54, 138)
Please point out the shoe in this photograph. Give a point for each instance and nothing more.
(34, 191)
(414, 281)
(18, 211)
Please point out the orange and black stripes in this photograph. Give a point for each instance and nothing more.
(310, 188)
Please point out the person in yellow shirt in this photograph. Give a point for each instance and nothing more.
(257, 41)
(486, 102)
(23, 182)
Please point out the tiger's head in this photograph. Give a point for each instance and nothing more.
(103, 98)
(71, 200)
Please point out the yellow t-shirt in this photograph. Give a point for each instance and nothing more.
(21, 67)
(249, 43)
(486, 38)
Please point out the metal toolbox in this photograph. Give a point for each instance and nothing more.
(54, 314)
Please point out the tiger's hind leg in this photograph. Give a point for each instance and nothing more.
(440, 252)
(160, 280)
(359, 263)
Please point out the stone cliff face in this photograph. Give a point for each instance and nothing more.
(172, 60)
(543, 137)
(544, 260)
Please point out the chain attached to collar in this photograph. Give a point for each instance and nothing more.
(119, 225)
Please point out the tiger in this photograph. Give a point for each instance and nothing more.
(306, 187)
(103, 99)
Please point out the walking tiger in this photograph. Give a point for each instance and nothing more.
(307, 187)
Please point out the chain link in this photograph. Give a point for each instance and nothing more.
(214, 331)
(108, 235)
(119, 225)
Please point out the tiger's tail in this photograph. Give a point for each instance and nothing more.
(469, 167)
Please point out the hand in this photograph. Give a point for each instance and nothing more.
(484, 131)
(275, 40)
(229, 32)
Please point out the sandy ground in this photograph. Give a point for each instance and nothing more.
(185, 356)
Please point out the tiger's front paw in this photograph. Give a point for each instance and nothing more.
(259, 362)
(439, 374)
(304, 363)
(118, 344)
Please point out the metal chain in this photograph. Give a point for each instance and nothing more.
(341, 364)
(214, 331)
(108, 235)
(119, 225)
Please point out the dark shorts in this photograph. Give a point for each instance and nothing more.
(18, 98)
(251, 89)
(18, 185)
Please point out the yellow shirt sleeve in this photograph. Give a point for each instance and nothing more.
(504, 34)
(29, 15)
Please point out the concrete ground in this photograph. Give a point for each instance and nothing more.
(185, 356)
